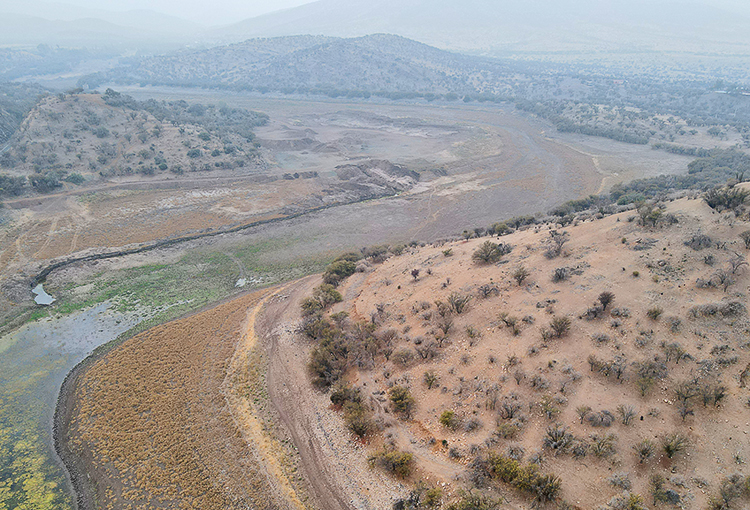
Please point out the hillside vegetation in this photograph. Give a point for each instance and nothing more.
(599, 365)
(77, 137)
(633, 106)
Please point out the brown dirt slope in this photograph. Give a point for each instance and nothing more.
(154, 429)
(595, 364)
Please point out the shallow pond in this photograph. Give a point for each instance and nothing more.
(34, 361)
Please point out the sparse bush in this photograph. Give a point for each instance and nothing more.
(422, 497)
(560, 274)
(644, 449)
(544, 488)
(603, 446)
(745, 237)
(674, 443)
(601, 338)
(582, 412)
(458, 303)
(472, 501)
(699, 241)
(654, 313)
(626, 501)
(508, 430)
(726, 198)
(620, 481)
(560, 326)
(620, 312)
(487, 290)
(731, 309)
(558, 439)
(403, 357)
(603, 418)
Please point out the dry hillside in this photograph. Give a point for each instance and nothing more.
(618, 364)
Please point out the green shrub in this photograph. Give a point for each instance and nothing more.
(393, 461)
(339, 270)
(654, 313)
(449, 419)
(402, 401)
(489, 252)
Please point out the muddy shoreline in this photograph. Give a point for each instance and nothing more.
(42, 275)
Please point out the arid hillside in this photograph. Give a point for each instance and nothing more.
(603, 364)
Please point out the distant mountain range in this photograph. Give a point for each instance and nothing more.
(372, 63)
(490, 27)
(508, 26)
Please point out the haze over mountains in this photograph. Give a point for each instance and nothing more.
(493, 27)
(508, 26)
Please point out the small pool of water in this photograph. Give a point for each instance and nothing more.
(41, 297)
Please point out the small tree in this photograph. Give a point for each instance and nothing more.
(430, 379)
(520, 275)
(626, 413)
(415, 273)
(394, 461)
(487, 253)
(556, 241)
(605, 298)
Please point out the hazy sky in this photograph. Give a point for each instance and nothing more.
(207, 12)
(219, 12)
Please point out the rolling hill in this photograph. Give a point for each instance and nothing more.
(371, 63)
(507, 27)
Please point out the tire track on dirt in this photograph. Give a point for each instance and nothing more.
(287, 395)
(245, 419)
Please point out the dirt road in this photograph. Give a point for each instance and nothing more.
(335, 467)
